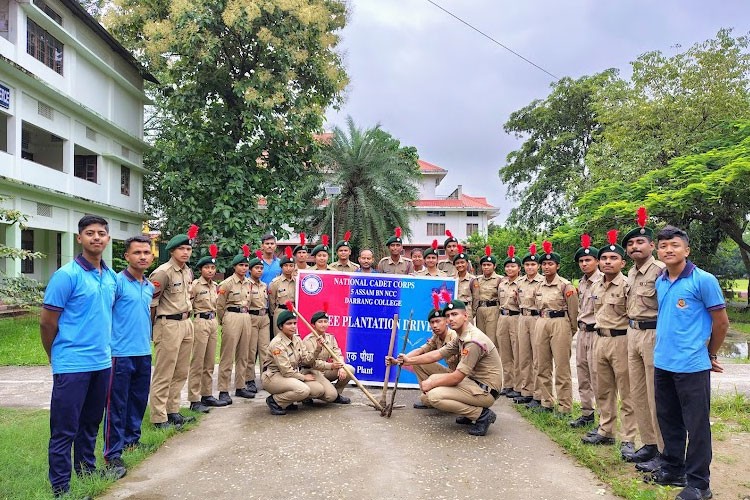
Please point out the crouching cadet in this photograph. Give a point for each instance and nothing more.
(337, 375)
(474, 385)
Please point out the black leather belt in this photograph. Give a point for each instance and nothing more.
(487, 303)
(607, 332)
(554, 314)
(508, 312)
(176, 317)
(586, 327)
(208, 315)
(254, 312)
(486, 388)
(642, 325)
(529, 312)
(281, 306)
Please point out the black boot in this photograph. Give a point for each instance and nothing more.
(483, 423)
(582, 421)
(212, 401)
(244, 393)
(275, 408)
(225, 397)
(644, 454)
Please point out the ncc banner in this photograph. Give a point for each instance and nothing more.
(361, 309)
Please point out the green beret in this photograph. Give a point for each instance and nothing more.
(239, 259)
(435, 313)
(553, 256)
(299, 248)
(511, 260)
(255, 261)
(180, 239)
(284, 317)
(393, 239)
(638, 231)
(429, 251)
(614, 248)
(488, 258)
(450, 239)
(460, 256)
(530, 257)
(586, 252)
(318, 315)
(320, 248)
(285, 260)
(454, 305)
(343, 243)
(205, 260)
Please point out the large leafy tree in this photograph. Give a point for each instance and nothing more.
(378, 179)
(244, 86)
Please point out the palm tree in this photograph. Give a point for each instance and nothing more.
(378, 180)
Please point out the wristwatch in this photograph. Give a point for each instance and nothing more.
(712, 357)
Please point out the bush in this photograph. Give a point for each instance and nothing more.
(20, 291)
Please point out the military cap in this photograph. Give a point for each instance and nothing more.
(319, 315)
(183, 239)
(531, 256)
(243, 257)
(460, 255)
(288, 258)
(548, 254)
(454, 305)
(396, 238)
(512, 259)
(586, 249)
(322, 246)
(301, 245)
(613, 247)
(432, 250)
(641, 230)
(450, 238)
(257, 260)
(345, 241)
(488, 257)
(213, 251)
(284, 317)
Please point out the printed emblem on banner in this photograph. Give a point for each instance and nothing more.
(312, 284)
(681, 304)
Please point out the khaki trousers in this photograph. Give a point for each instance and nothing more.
(553, 341)
(527, 355)
(506, 336)
(173, 342)
(641, 368)
(333, 377)
(200, 380)
(466, 399)
(235, 336)
(424, 371)
(486, 317)
(611, 355)
(260, 336)
(288, 390)
(586, 371)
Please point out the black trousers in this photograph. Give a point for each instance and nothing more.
(683, 404)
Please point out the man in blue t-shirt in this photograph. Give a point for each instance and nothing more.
(127, 395)
(690, 328)
(76, 326)
(271, 265)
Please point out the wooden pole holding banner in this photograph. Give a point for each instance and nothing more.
(394, 332)
(389, 409)
(291, 307)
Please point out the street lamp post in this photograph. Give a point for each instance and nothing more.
(331, 191)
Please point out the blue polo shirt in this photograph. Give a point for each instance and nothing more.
(83, 296)
(131, 316)
(684, 322)
(270, 271)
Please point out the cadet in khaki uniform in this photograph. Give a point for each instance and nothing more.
(231, 307)
(431, 263)
(507, 325)
(344, 252)
(484, 296)
(452, 248)
(320, 254)
(642, 312)
(464, 278)
(587, 258)
(339, 376)
(260, 331)
(527, 354)
(173, 331)
(395, 263)
(282, 288)
(611, 350)
(205, 325)
(300, 255)
(557, 302)
(282, 376)
(472, 388)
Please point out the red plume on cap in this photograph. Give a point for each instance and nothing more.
(448, 233)
(246, 250)
(435, 300)
(488, 250)
(445, 296)
(397, 232)
(288, 252)
(434, 244)
(213, 250)
(511, 251)
(302, 239)
(289, 306)
(547, 246)
(585, 241)
(641, 216)
(460, 248)
(324, 238)
(259, 254)
(532, 249)
(192, 232)
(612, 236)
(325, 307)
(347, 235)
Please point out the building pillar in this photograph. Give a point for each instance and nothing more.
(67, 247)
(107, 255)
(13, 240)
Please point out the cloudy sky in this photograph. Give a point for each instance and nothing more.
(437, 85)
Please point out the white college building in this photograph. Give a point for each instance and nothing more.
(71, 130)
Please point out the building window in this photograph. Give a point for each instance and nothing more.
(435, 229)
(472, 213)
(41, 147)
(471, 229)
(27, 243)
(436, 213)
(85, 167)
(58, 260)
(44, 47)
(3, 133)
(124, 180)
(48, 10)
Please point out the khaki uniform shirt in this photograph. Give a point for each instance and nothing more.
(204, 295)
(478, 356)
(559, 295)
(349, 267)
(388, 266)
(288, 355)
(298, 269)
(507, 294)
(464, 290)
(526, 291)
(483, 289)
(233, 292)
(450, 269)
(311, 343)
(171, 288)
(642, 303)
(258, 295)
(436, 343)
(425, 272)
(585, 299)
(281, 290)
(610, 303)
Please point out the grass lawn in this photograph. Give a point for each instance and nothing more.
(24, 435)
(20, 342)
(740, 285)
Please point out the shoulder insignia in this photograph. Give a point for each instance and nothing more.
(465, 352)
(276, 352)
(222, 291)
(156, 283)
(570, 292)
